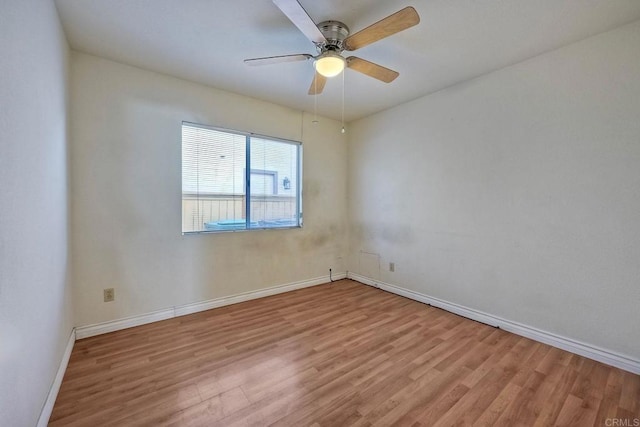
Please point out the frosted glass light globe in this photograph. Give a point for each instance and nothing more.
(329, 64)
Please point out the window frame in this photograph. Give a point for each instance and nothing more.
(248, 171)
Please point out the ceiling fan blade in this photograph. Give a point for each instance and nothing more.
(277, 59)
(372, 70)
(392, 24)
(296, 13)
(317, 85)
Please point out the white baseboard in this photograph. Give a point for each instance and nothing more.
(47, 409)
(583, 349)
(246, 296)
(124, 323)
(181, 310)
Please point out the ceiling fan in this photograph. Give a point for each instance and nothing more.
(331, 38)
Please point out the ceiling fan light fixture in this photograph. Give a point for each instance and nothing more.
(331, 38)
(329, 64)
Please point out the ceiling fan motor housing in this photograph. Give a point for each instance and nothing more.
(335, 32)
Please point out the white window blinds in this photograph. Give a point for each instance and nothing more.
(220, 168)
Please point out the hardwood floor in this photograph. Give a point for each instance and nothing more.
(338, 354)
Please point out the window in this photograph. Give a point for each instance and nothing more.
(238, 181)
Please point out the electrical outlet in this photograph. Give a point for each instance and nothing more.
(392, 267)
(109, 294)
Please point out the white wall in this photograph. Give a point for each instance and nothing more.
(517, 193)
(126, 204)
(35, 303)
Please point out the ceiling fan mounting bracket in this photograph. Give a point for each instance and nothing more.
(335, 32)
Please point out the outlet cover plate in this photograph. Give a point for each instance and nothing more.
(109, 294)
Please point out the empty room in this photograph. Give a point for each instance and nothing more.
(319, 213)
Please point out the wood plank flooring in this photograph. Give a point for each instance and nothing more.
(340, 354)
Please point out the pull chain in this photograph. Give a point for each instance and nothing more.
(315, 101)
(343, 101)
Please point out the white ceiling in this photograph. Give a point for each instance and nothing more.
(206, 41)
